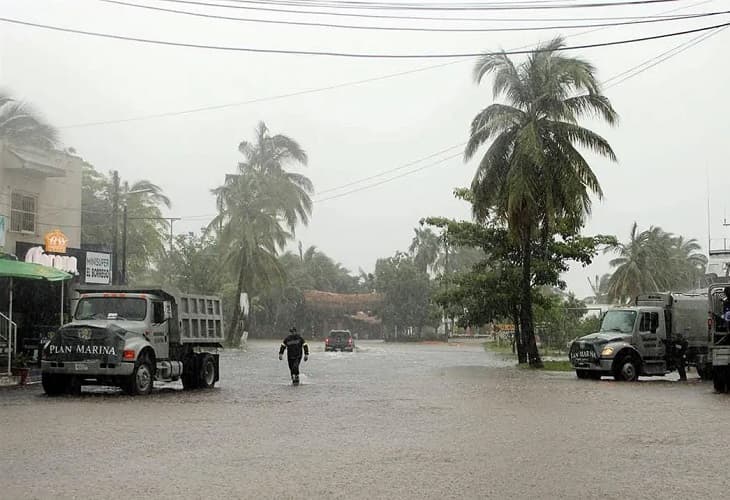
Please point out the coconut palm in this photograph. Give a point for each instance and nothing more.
(532, 175)
(654, 260)
(251, 235)
(426, 248)
(259, 208)
(21, 125)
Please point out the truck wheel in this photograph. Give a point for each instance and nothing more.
(582, 374)
(142, 378)
(626, 369)
(207, 373)
(53, 384)
(719, 381)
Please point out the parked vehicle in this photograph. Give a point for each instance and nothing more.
(719, 335)
(638, 340)
(130, 337)
(339, 340)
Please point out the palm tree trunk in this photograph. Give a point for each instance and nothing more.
(528, 329)
(519, 343)
(234, 337)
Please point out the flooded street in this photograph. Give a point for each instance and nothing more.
(387, 421)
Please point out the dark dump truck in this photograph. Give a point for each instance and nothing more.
(131, 336)
(637, 340)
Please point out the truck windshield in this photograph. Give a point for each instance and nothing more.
(619, 321)
(121, 308)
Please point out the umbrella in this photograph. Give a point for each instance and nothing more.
(26, 270)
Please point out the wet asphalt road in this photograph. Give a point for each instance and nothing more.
(388, 421)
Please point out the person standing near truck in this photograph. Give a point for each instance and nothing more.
(294, 345)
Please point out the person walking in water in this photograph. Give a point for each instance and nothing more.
(294, 344)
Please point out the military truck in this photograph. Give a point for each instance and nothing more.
(719, 335)
(129, 337)
(637, 340)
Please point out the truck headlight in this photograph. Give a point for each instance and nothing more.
(607, 352)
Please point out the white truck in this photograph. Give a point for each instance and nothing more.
(131, 336)
(638, 340)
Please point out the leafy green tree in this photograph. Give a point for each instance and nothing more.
(147, 234)
(532, 175)
(194, 265)
(407, 293)
(21, 125)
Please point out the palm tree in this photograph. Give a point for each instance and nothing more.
(426, 248)
(146, 231)
(654, 260)
(22, 126)
(259, 209)
(251, 235)
(532, 176)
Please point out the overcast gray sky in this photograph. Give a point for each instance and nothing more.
(673, 132)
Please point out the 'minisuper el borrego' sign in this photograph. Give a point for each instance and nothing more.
(98, 268)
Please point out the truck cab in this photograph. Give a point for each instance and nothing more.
(718, 324)
(130, 337)
(635, 340)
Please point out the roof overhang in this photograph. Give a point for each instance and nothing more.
(36, 163)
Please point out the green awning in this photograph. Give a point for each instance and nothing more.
(26, 270)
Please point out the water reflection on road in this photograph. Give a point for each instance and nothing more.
(387, 421)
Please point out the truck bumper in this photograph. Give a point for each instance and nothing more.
(92, 368)
(721, 356)
(603, 366)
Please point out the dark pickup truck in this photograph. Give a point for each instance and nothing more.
(339, 340)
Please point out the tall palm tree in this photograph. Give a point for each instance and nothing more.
(259, 208)
(251, 235)
(22, 126)
(533, 176)
(271, 155)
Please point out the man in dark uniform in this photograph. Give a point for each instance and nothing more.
(678, 349)
(294, 344)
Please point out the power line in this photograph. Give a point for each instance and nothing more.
(384, 172)
(413, 28)
(420, 7)
(352, 54)
(646, 65)
(409, 17)
(261, 99)
(320, 89)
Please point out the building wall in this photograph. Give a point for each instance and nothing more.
(58, 198)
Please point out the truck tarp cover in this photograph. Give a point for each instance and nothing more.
(80, 343)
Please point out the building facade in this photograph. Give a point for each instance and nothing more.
(40, 191)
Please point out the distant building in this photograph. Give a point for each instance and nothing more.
(39, 191)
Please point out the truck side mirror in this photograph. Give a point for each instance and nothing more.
(654, 323)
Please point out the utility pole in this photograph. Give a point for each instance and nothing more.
(124, 246)
(115, 227)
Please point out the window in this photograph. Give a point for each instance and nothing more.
(23, 211)
(649, 322)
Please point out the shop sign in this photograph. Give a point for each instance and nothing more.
(98, 268)
(56, 242)
(61, 262)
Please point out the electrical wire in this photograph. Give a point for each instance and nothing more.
(410, 17)
(417, 29)
(320, 89)
(419, 7)
(354, 54)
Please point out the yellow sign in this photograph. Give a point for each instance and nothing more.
(56, 242)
